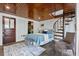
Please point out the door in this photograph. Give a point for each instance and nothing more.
(9, 28)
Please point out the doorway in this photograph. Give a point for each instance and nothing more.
(30, 27)
(9, 30)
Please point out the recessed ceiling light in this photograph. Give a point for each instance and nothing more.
(38, 17)
(7, 7)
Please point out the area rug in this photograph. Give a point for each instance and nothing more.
(21, 49)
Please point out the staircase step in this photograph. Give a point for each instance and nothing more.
(62, 26)
(59, 32)
(57, 38)
(60, 29)
(66, 23)
(68, 20)
(71, 16)
(58, 35)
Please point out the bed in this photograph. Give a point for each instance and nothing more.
(40, 38)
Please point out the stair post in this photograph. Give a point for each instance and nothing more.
(63, 21)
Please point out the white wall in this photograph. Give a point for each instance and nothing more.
(36, 26)
(71, 26)
(77, 40)
(0, 30)
(48, 24)
(21, 26)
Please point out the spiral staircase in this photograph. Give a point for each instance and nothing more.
(59, 25)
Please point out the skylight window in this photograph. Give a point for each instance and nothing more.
(59, 12)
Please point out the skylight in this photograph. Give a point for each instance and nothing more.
(59, 12)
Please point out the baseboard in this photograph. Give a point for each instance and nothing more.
(13, 43)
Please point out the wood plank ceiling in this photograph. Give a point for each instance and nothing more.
(36, 11)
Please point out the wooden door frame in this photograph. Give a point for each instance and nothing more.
(3, 27)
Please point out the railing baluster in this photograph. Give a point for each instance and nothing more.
(58, 25)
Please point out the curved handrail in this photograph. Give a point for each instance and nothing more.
(55, 23)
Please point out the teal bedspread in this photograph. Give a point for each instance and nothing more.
(37, 38)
